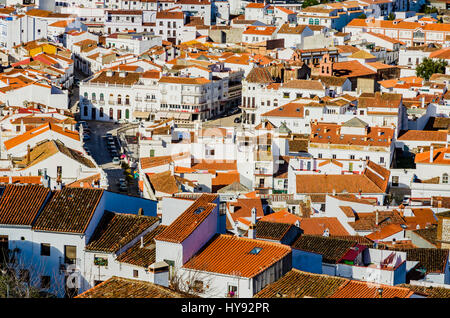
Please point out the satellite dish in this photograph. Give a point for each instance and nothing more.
(376, 11)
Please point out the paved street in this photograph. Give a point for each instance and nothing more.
(99, 151)
(223, 122)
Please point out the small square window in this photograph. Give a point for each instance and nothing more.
(45, 249)
(45, 282)
(135, 273)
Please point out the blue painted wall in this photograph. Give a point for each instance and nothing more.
(121, 203)
(306, 261)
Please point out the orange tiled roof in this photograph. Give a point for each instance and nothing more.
(317, 225)
(438, 158)
(232, 256)
(385, 232)
(257, 30)
(282, 216)
(357, 289)
(15, 141)
(423, 135)
(70, 210)
(189, 220)
(20, 204)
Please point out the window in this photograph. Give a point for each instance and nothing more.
(256, 250)
(395, 181)
(445, 178)
(70, 254)
(286, 95)
(135, 273)
(381, 159)
(101, 111)
(85, 111)
(333, 156)
(45, 249)
(352, 157)
(319, 155)
(45, 282)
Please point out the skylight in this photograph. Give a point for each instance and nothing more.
(255, 250)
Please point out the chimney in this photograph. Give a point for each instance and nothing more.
(253, 217)
(142, 242)
(376, 217)
(251, 228)
(28, 154)
(140, 212)
(422, 99)
(431, 154)
(231, 208)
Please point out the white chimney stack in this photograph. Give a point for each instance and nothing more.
(253, 216)
(252, 227)
(376, 217)
(142, 242)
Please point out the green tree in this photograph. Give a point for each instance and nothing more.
(308, 3)
(362, 16)
(428, 67)
(391, 16)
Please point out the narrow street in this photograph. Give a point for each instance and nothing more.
(97, 146)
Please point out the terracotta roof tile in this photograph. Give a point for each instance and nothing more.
(164, 182)
(189, 220)
(232, 256)
(357, 289)
(69, 210)
(115, 230)
(298, 284)
(272, 230)
(20, 204)
(118, 287)
(331, 249)
(142, 256)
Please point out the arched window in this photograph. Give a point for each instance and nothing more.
(307, 112)
(86, 95)
(127, 113)
(445, 178)
(111, 113)
(119, 114)
(101, 111)
(127, 100)
(85, 111)
(119, 99)
(275, 102)
(311, 21)
(102, 97)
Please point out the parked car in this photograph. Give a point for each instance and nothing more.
(123, 187)
(116, 160)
